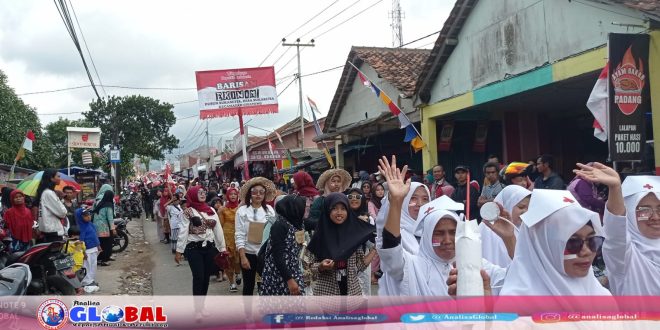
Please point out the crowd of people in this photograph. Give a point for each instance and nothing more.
(343, 234)
(346, 233)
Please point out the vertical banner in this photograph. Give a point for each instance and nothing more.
(480, 136)
(223, 93)
(630, 96)
(445, 136)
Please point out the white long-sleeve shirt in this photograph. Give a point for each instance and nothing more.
(244, 216)
(215, 235)
(175, 215)
(51, 211)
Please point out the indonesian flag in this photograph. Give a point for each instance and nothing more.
(598, 104)
(27, 145)
(29, 138)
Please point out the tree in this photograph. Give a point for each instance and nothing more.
(16, 118)
(140, 125)
(56, 134)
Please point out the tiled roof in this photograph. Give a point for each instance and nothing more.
(399, 66)
(649, 6)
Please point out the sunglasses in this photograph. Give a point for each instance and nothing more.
(574, 245)
(256, 192)
(353, 196)
(646, 212)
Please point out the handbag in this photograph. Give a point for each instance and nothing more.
(222, 260)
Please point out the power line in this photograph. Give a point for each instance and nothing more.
(422, 38)
(287, 86)
(348, 19)
(294, 31)
(111, 86)
(91, 59)
(329, 19)
(63, 9)
(322, 71)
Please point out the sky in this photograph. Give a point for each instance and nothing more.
(160, 44)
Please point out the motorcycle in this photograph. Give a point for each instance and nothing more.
(120, 241)
(15, 279)
(51, 269)
(131, 205)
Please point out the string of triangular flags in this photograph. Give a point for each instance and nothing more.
(412, 134)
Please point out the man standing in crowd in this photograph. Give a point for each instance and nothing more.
(69, 201)
(492, 184)
(460, 193)
(440, 185)
(147, 201)
(547, 179)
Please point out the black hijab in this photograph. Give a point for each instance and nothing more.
(106, 201)
(6, 197)
(338, 242)
(364, 207)
(291, 209)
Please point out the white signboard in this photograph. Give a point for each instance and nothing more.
(84, 137)
(115, 156)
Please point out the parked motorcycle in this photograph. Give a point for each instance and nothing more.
(51, 269)
(15, 279)
(120, 241)
(131, 205)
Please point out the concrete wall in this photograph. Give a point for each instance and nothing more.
(362, 100)
(504, 38)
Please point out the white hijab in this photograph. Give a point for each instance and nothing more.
(492, 246)
(643, 255)
(537, 268)
(386, 285)
(427, 273)
(408, 239)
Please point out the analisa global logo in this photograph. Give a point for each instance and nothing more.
(52, 314)
(628, 79)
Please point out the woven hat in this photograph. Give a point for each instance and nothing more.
(345, 178)
(258, 181)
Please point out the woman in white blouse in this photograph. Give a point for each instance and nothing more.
(200, 239)
(251, 220)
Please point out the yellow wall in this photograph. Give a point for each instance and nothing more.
(654, 73)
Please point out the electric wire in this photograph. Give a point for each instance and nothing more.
(91, 59)
(329, 19)
(348, 19)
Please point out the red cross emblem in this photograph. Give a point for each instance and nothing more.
(85, 137)
(648, 186)
(568, 200)
(429, 210)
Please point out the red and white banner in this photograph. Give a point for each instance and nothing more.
(223, 93)
(598, 103)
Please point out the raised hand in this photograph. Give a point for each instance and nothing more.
(598, 173)
(397, 185)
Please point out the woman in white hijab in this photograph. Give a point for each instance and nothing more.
(632, 226)
(514, 199)
(424, 273)
(556, 246)
(417, 196)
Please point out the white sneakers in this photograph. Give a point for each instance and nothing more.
(233, 288)
(91, 288)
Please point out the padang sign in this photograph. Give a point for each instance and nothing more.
(84, 137)
(629, 95)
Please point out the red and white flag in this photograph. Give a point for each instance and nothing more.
(29, 138)
(271, 147)
(598, 104)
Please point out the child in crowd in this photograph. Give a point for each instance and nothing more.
(92, 248)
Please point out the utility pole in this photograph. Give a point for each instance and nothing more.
(208, 148)
(299, 77)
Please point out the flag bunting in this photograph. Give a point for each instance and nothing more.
(412, 135)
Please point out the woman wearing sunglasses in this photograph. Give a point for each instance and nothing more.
(251, 219)
(555, 249)
(358, 211)
(632, 224)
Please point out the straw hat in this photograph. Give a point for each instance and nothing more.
(342, 174)
(258, 181)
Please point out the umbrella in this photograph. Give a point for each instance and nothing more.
(30, 184)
